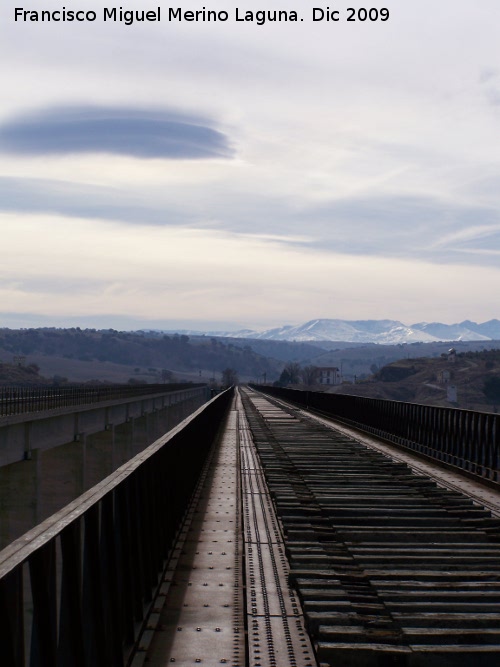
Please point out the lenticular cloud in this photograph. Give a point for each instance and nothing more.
(133, 132)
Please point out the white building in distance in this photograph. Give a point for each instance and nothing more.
(329, 375)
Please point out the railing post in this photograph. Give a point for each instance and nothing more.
(12, 619)
(71, 650)
(42, 566)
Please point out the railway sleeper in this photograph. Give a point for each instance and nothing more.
(423, 655)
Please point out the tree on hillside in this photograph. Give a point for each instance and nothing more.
(284, 379)
(309, 375)
(290, 374)
(293, 369)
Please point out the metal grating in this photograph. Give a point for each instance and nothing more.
(201, 621)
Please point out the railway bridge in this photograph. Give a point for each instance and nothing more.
(273, 528)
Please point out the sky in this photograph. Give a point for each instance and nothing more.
(220, 175)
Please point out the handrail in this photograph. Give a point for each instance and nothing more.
(75, 590)
(465, 439)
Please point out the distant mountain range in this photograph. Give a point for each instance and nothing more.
(388, 332)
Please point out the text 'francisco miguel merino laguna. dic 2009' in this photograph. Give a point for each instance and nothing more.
(203, 15)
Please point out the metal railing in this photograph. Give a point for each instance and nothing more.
(463, 438)
(75, 590)
(19, 400)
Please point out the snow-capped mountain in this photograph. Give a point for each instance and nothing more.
(464, 331)
(389, 332)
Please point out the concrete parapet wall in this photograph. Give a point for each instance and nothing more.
(48, 459)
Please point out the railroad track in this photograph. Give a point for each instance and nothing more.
(390, 567)
(305, 548)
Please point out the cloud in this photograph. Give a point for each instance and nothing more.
(180, 271)
(80, 200)
(411, 226)
(121, 131)
(469, 234)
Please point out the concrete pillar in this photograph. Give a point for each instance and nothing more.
(123, 443)
(98, 457)
(61, 476)
(163, 419)
(140, 434)
(19, 498)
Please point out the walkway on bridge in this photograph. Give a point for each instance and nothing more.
(366, 561)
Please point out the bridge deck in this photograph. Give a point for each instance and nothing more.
(226, 598)
(300, 525)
